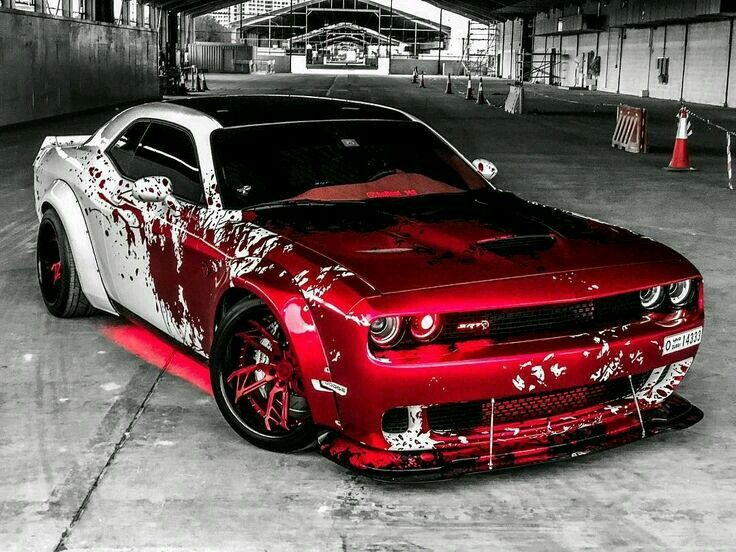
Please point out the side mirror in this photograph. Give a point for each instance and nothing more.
(487, 169)
(152, 189)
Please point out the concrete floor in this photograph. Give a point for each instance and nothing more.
(104, 449)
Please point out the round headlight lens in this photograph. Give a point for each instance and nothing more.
(386, 332)
(425, 327)
(681, 292)
(651, 298)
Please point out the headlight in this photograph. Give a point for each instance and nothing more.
(651, 298)
(386, 332)
(425, 327)
(681, 292)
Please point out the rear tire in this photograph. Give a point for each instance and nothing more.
(57, 274)
(254, 371)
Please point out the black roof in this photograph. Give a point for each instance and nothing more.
(249, 110)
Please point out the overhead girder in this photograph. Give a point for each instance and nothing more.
(347, 38)
(479, 10)
(329, 6)
(313, 15)
(345, 26)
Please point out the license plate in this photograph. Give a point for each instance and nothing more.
(682, 340)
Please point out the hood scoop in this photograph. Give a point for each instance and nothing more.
(518, 245)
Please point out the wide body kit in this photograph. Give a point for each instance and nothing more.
(545, 351)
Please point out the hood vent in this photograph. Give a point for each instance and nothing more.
(518, 245)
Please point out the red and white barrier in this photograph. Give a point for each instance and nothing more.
(729, 160)
(631, 129)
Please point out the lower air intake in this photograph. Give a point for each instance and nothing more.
(464, 416)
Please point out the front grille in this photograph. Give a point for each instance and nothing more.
(464, 416)
(503, 325)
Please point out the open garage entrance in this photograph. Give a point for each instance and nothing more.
(347, 34)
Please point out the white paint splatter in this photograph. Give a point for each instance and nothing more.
(558, 370)
(413, 438)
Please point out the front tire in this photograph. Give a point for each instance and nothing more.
(256, 380)
(57, 274)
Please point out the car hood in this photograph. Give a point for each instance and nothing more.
(450, 240)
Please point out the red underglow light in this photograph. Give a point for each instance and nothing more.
(158, 352)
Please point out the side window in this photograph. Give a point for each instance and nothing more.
(168, 151)
(123, 151)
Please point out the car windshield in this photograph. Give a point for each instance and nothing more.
(330, 161)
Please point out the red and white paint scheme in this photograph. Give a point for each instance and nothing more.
(353, 281)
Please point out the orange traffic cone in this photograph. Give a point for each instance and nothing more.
(481, 100)
(469, 90)
(205, 88)
(198, 81)
(421, 80)
(680, 157)
(448, 88)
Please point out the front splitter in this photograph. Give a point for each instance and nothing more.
(673, 414)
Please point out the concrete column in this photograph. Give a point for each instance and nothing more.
(125, 13)
(172, 37)
(39, 6)
(66, 8)
(87, 7)
(103, 11)
(139, 15)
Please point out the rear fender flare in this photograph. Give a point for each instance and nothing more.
(61, 197)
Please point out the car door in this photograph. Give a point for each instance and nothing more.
(164, 276)
(115, 221)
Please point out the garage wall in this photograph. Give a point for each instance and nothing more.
(732, 75)
(635, 62)
(667, 41)
(569, 48)
(51, 66)
(707, 62)
(405, 66)
(638, 34)
(610, 55)
(509, 46)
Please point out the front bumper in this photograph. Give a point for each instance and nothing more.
(551, 439)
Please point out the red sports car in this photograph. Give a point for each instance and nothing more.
(353, 280)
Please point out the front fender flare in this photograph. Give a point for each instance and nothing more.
(61, 197)
(275, 288)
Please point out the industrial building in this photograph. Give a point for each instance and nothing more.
(607, 128)
(669, 50)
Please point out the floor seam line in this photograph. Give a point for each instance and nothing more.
(329, 90)
(61, 545)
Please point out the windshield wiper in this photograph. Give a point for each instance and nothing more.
(299, 203)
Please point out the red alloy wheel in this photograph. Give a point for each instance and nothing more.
(262, 381)
(49, 263)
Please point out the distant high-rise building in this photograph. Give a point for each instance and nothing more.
(225, 16)
(221, 16)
